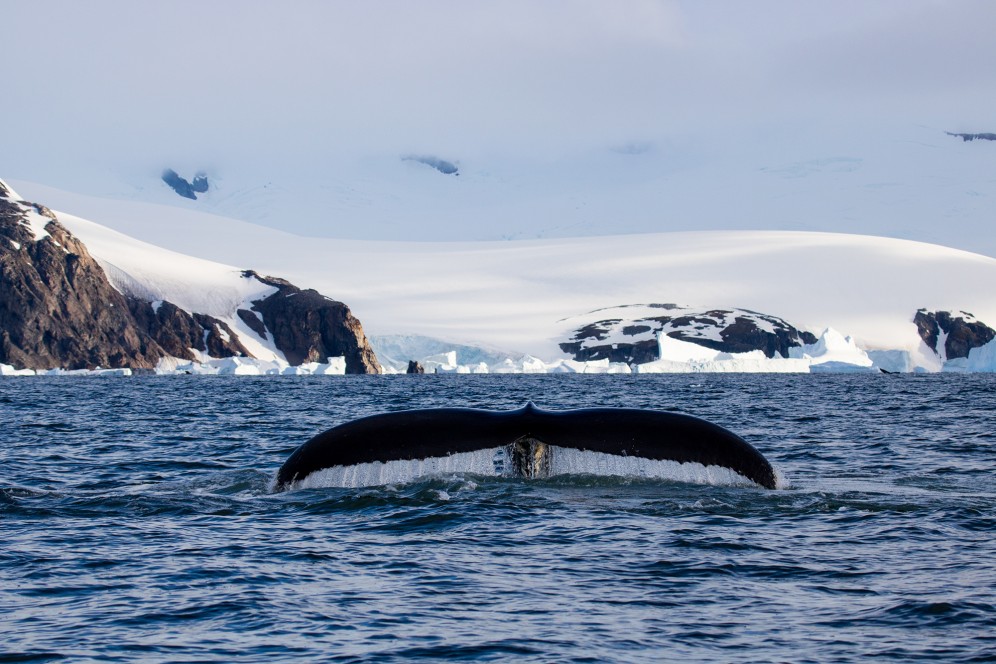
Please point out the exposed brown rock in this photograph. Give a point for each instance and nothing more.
(309, 327)
(637, 352)
(177, 331)
(963, 332)
(57, 309)
(219, 339)
(253, 322)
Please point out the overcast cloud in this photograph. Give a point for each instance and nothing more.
(104, 81)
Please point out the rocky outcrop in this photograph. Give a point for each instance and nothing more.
(57, 309)
(630, 335)
(184, 188)
(254, 322)
(443, 166)
(757, 332)
(179, 333)
(961, 331)
(309, 327)
(200, 183)
(415, 367)
(591, 343)
(972, 137)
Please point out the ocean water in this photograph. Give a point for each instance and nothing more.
(137, 524)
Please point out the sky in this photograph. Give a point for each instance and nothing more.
(121, 75)
(122, 84)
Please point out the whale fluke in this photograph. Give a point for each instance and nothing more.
(525, 437)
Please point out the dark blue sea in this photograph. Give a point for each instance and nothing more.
(137, 524)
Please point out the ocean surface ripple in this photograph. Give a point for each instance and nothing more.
(138, 524)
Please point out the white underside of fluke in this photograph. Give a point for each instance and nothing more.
(495, 462)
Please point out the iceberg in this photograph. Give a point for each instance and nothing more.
(677, 356)
(833, 352)
(8, 370)
(981, 359)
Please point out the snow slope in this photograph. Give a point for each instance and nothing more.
(902, 181)
(518, 295)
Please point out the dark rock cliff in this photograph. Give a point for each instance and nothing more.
(309, 327)
(57, 309)
(964, 332)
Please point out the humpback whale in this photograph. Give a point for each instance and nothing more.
(523, 439)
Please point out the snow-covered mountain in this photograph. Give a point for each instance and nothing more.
(63, 307)
(901, 181)
(525, 297)
(521, 295)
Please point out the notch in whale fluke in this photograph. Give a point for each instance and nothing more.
(525, 436)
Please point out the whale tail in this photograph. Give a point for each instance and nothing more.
(524, 441)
